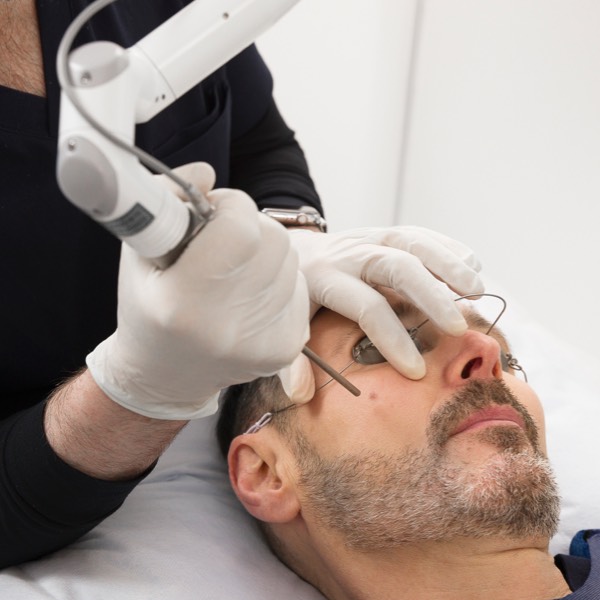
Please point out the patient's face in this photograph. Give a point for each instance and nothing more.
(392, 408)
(448, 455)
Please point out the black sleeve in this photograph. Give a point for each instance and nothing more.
(266, 160)
(268, 163)
(62, 288)
(44, 503)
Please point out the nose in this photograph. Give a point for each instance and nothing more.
(476, 356)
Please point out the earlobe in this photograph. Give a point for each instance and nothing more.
(258, 481)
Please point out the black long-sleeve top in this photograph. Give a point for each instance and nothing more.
(59, 268)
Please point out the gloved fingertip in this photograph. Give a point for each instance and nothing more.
(301, 396)
(456, 326)
(285, 377)
(473, 262)
(408, 362)
(414, 369)
(469, 284)
(200, 174)
(314, 309)
(298, 380)
(477, 287)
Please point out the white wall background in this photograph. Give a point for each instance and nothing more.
(341, 72)
(478, 118)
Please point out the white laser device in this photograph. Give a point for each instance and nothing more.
(107, 89)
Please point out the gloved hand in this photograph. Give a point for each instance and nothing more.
(232, 308)
(341, 268)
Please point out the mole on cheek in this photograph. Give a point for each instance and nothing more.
(373, 396)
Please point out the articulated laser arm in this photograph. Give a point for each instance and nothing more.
(108, 89)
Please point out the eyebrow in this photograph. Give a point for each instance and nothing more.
(344, 339)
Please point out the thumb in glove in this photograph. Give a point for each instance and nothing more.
(298, 380)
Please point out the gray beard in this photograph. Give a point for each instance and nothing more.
(378, 501)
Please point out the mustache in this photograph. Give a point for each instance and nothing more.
(474, 396)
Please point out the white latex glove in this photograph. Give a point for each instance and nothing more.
(341, 268)
(232, 308)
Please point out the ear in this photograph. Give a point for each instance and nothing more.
(261, 480)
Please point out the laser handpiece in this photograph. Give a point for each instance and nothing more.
(107, 89)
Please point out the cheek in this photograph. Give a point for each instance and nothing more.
(387, 416)
(530, 400)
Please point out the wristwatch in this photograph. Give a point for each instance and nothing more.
(298, 217)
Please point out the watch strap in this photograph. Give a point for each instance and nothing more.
(304, 216)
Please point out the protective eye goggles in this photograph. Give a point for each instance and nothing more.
(426, 336)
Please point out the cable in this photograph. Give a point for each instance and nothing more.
(202, 206)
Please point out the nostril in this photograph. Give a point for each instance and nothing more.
(472, 364)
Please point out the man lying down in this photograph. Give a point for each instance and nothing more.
(431, 489)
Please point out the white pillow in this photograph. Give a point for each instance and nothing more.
(182, 534)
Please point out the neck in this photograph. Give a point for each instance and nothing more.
(21, 63)
(462, 569)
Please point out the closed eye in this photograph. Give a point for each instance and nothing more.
(365, 353)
